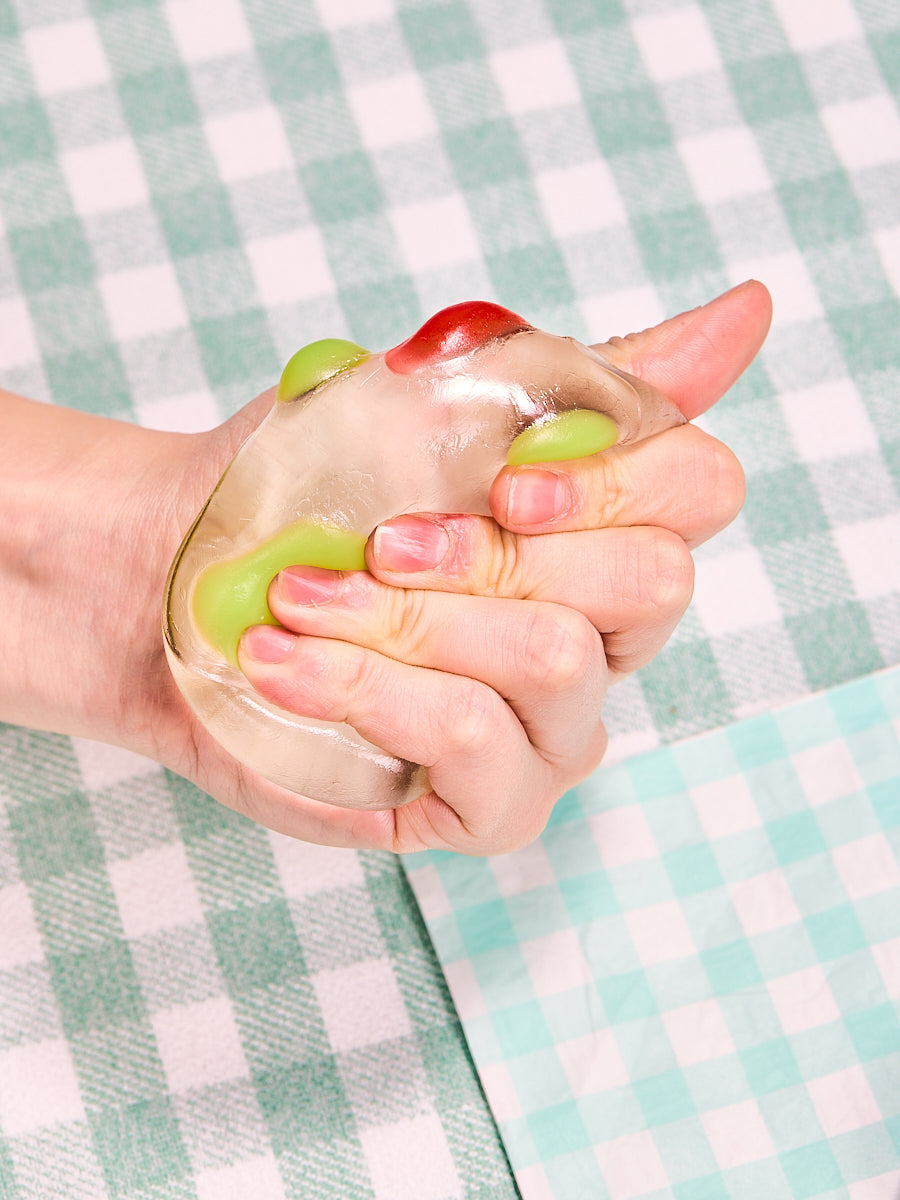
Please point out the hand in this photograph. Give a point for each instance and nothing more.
(95, 511)
(487, 658)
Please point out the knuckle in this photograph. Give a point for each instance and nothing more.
(612, 488)
(670, 585)
(405, 621)
(558, 647)
(352, 671)
(508, 574)
(470, 718)
(730, 486)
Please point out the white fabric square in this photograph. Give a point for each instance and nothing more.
(865, 133)
(631, 1166)
(431, 895)
(887, 960)
(336, 14)
(191, 412)
(249, 143)
(794, 294)
(18, 344)
(410, 1160)
(391, 111)
(828, 420)
(535, 76)
(581, 198)
(305, 868)
(737, 1134)
(435, 233)
(199, 1044)
(871, 553)
(697, 1032)
(465, 989)
(764, 902)
(522, 871)
(803, 1000)
(202, 30)
(660, 932)
(242, 1181)
(843, 1101)
(826, 772)
(867, 866)
(623, 835)
(732, 592)
(811, 26)
(617, 313)
(887, 243)
(361, 1004)
(724, 165)
(500, 1090)
(20, 941)
(143, 301)
(725, 807)
(533, 1182)
(38, 1087)
(879, 1187)
(676, 44)
(290, 267)
(104, 766)
(65, 56)
(593, 1063)
(155, 890)
(105, 177)
(556, 963)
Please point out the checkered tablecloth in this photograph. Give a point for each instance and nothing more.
(688, 987)
(191, 189)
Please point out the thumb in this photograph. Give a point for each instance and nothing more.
(694, 358)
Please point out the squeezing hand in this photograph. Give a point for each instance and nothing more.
(353, 440)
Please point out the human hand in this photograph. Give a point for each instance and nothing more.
(95, 511)
(487, 658)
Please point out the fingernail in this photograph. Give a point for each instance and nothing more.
(308, 585)
(535, 497)
(410, 544)
(268, 643)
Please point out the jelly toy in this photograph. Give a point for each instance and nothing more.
(353, 439)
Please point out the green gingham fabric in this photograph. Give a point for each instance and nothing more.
(189, 191)
(688, 989)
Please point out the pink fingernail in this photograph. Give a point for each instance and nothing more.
(308, 585)
(410, 544)
(535, 497)
(268, 644)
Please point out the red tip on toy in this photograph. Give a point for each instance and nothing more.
(452, 332)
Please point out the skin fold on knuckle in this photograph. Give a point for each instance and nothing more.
(405, 627)
(609, 484)
(558, 649)
(469, 720)
(669, 581)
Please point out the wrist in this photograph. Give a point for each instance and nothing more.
(94, 510)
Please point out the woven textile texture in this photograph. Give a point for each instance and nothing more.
(688, 987)
(190, 190)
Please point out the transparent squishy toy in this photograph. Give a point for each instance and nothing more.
(353, 439)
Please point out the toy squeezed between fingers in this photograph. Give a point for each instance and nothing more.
(353, 439)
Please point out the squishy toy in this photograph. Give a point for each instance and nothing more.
(353, 439)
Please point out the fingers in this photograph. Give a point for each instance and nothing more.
(694, 358)
(633, 585)
(545, 660)
(682, 480)
(492, 789)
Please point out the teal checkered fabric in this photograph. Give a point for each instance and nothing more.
(190, 190)
(688, 987)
